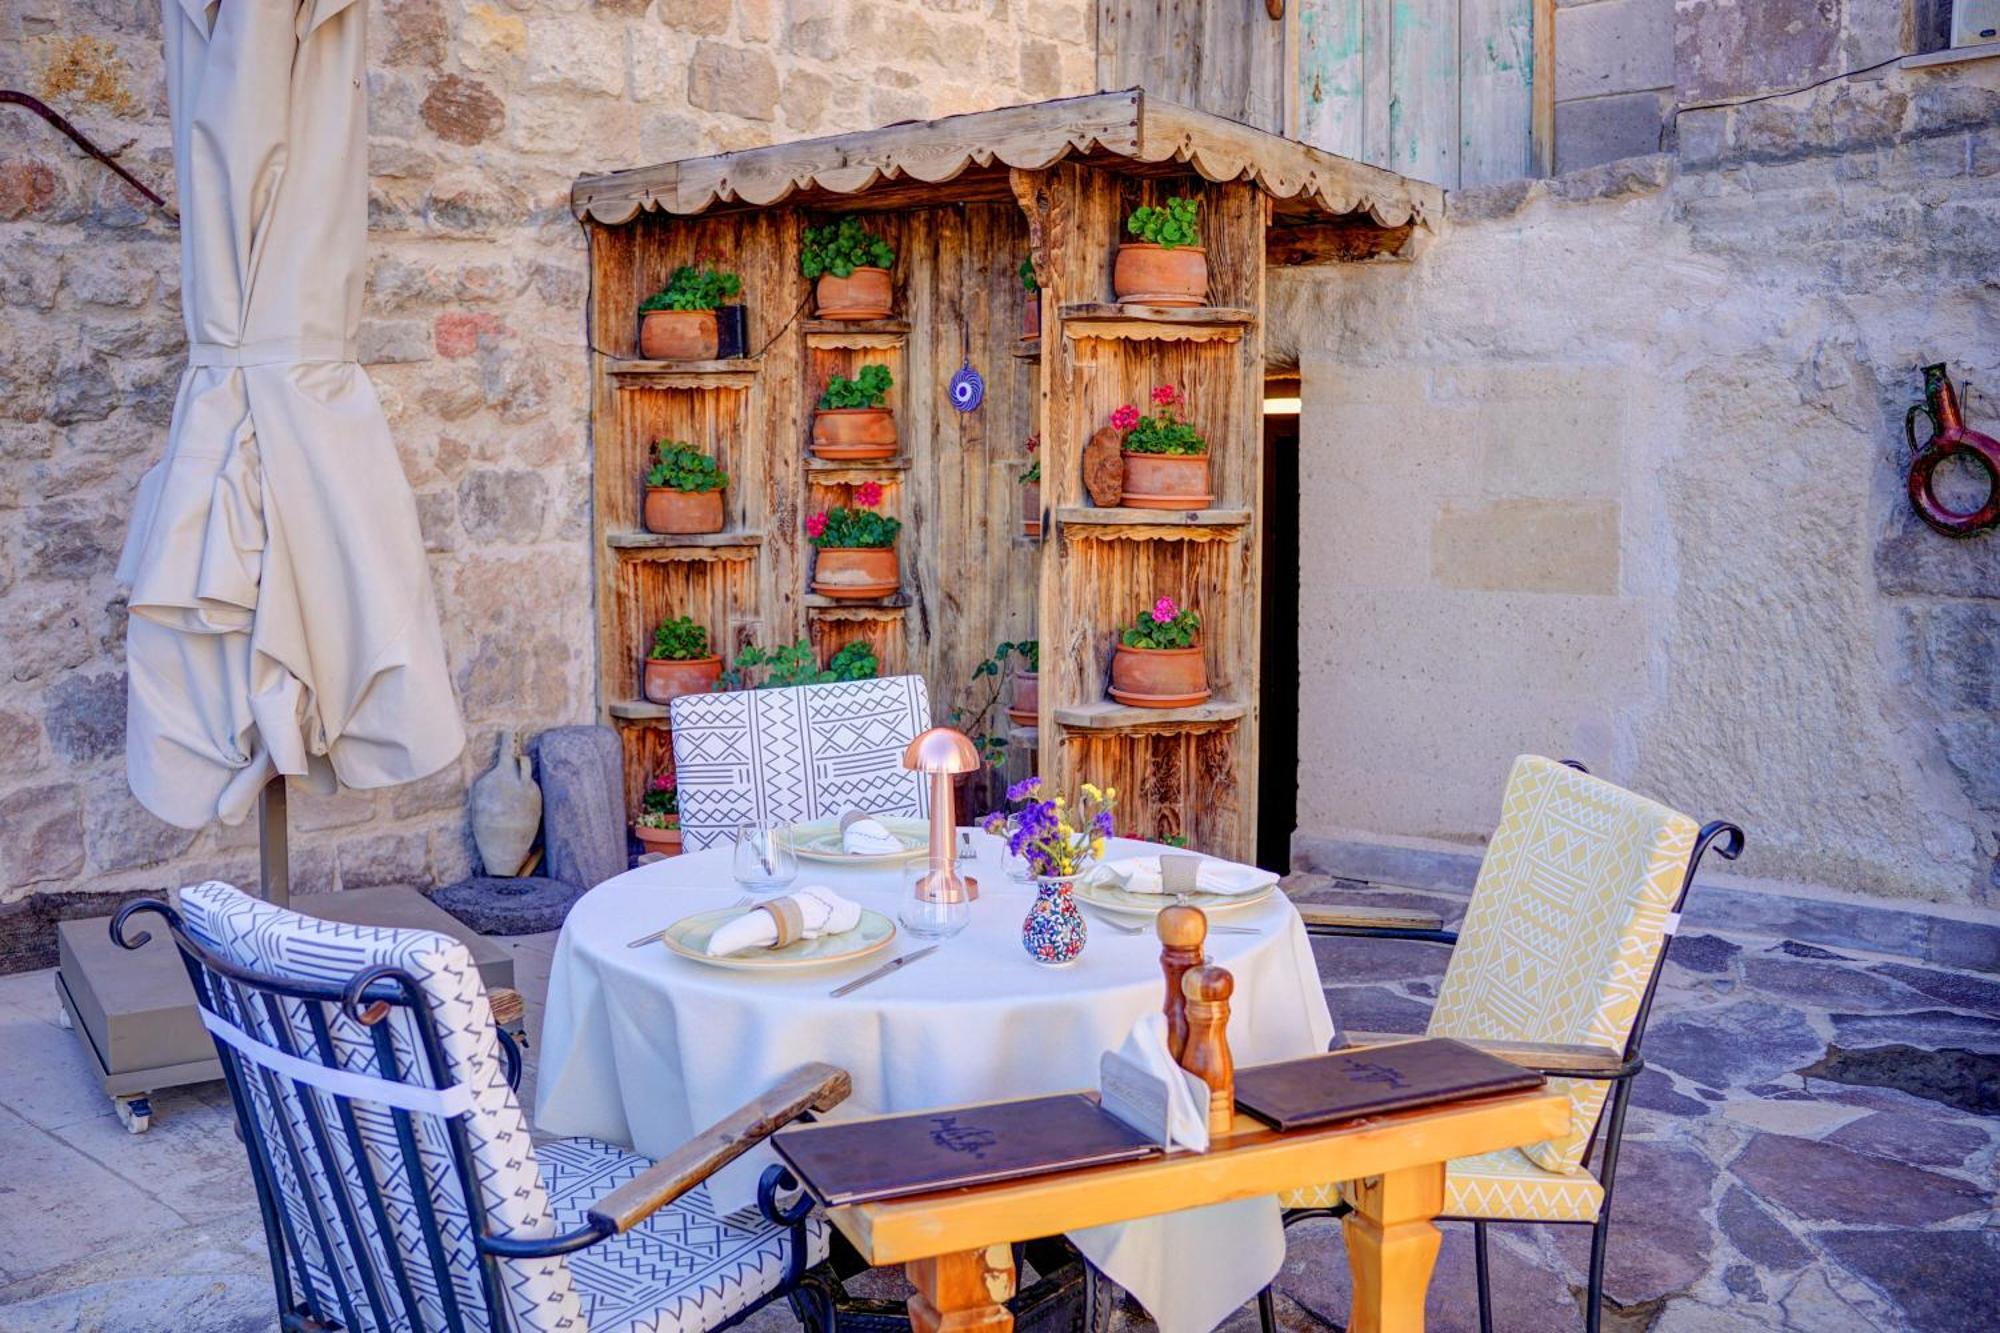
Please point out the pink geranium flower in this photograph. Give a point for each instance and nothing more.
(1165, 395)
(815, 525)
(868, 494)
(1125, 417)
(1164, 611)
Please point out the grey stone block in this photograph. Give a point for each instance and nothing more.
(524, 905)
(581, 770)
(1724, 48)
(1604, 129)
(1614, 46)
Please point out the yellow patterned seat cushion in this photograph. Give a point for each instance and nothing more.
(1501, 1186)
(1564, 927)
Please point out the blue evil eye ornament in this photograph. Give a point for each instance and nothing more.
(968, 391)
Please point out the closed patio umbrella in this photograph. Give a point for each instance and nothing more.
(282, 621)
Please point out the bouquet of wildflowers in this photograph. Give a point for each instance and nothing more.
(1056, 839)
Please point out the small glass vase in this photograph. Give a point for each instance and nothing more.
(1054, 930)
(929, 913)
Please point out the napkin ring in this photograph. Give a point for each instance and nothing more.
(791, 921)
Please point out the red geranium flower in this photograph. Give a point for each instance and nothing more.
(815, 525)
(1165, 395)
(868, 494)
(1125, 417)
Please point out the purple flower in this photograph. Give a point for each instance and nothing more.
(1023, 789)
(1101, 825)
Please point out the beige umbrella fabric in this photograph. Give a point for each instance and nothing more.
(282, 620)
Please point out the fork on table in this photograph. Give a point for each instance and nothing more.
(661, 933)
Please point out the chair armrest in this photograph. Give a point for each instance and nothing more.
(1544, 1057)
(812, 1087)
(1341, 919)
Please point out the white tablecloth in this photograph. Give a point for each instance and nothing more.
(644, 1048)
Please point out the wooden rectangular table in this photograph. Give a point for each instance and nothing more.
(956, 1245)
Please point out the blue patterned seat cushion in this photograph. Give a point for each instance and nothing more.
(685, 1269)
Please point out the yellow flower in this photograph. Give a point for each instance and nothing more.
(1059, 802)
(1090, 793)
(1110, 793)
(1097, 848)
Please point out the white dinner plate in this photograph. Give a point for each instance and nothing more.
(689, 938)
(819, 840)
(1124, 902)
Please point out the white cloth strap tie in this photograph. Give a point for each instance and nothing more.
(271, 352)
(1673, 925)
(447, 1102)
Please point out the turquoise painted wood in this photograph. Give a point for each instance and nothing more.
(1442, 90)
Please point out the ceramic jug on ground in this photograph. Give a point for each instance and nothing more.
(506, 810)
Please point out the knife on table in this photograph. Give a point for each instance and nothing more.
(882, 971)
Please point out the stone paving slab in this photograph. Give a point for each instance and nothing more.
(1751, 1194)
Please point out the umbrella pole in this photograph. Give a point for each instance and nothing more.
(274, 851)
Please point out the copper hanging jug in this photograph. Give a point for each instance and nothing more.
(1950, 437)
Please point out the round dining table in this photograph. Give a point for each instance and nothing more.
(643, 1047)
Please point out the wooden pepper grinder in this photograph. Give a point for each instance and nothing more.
(1183, 931)
(1207, 991)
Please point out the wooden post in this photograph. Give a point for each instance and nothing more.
(1392, 1244)
(1207, 990)
(274, 844)
(1182, 931)
(966, 1292)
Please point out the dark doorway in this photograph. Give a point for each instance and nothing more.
(1278, 669)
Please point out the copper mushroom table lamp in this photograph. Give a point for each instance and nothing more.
(943, 753)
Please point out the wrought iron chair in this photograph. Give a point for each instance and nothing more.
(394, 1173)
(1554, 968)
(802, 752)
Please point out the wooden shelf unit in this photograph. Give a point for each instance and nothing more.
(652, 541)
(960, 220)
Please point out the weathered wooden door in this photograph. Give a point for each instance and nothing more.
(1442, 90)
(1229, 57)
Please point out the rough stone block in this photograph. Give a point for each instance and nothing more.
(581, 770)
(463, 111)
(1824, 1182)
(1528, 545)
(85, 716)
(121, 834)
(707, 17)
(503, 506)
(1915, 560)
(385, 859)
(1958, 658)
(1615, 46)
(1726, 48)
(733, 80)
(41, 833)
(1604, 129)
(1937, 1279)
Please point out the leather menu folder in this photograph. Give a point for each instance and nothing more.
(1347, 1085)
(856, 1161)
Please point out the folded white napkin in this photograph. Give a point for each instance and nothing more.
(820, 911)
(865, 835)
(1141, 874)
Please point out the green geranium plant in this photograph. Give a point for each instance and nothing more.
(691, 288)
(1161, 433)
(796, 664)
(1028, 281)
(869, 388)
(1170, 226)
(853, 527)
(682, 467)
(1163, 625)
(679, 640)
(842, 246)
(660, 805)
(1033, 472)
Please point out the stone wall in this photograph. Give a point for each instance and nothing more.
(1615, 471)
(483, 113)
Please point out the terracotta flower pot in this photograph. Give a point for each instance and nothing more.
(867, 294)
(1025, 703)
(1146, 274)
(1158, 677)
(677, 335)
(667, 680)
(1031, 318)
(1165, 481)
(850, 434)
(1031, 508)
(856, 571)
(671, 511)
(666, 841)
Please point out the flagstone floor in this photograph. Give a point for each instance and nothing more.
(1814, 1149)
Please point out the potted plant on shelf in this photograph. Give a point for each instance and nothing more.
(1025, 703)
(1058, 841)
(1031, 313)
(851, 270)
(857, 548)
(852, 421)
(1158, 663)
(680, 662)
(1165, 460)
(677, 323)
(683, 490)
(658, 826)
(1166, 265)
(796, 664)
(1031, 491)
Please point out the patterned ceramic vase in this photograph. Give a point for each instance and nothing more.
(1054, 930)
